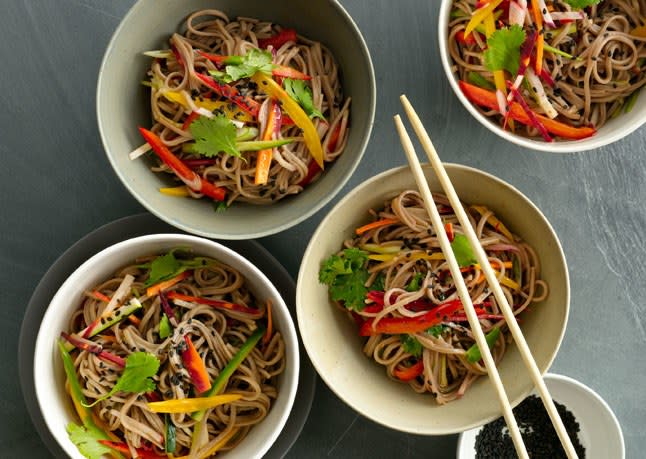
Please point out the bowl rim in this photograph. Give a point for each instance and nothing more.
(42, 349)
(250, 232)
(588, 391)
(310, 247)
(561, 146)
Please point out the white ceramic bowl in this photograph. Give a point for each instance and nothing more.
(613, 130)
(334, 345)
(56, 405)
(122, 105)
(600, 432)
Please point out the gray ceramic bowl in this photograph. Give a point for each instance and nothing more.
(122, 105)
(333, 342)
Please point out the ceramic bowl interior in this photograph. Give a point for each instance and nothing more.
(613, 130)
(600, 433)
(49, 376)
(122, 105)
(334, 345)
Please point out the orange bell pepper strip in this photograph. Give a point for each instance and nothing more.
(487, 99)
(195, 367)
(163, 285)
(188, 176)
(409, 373)
(376, 224)
(267, 85)
(263, 159)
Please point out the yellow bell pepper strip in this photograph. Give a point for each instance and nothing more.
(223, 378)
(487, 99)
(479, 16)
(247, 104)
(210, 105)
(163, 285)
(295, 112)
(639, 31)
(540, 39)
(263, 159)
(195, 367)
(180, 191)
(376, 224)
(188, 405)
(493, 221)
(189, 177)
(217, 446)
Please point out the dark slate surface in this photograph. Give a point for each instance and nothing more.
(56, 186)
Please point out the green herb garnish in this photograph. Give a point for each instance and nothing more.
(411, 345)
(346, 276)
(503, 49)
(300, 91)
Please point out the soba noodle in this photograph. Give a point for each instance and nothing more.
(589, 89)
(408, 278)
(211, 31)
(217, 335)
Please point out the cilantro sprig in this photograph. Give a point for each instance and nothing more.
(214, 135)
(86, 440)
(503, 49)
(581, 4)
(136, 377)
(346, 276)
(411, 345)
(167, 266)
(238, 67)
(302, 93)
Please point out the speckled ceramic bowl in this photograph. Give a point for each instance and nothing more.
(613, 130)
(600, 432)
(56, 405)
(122, 105)
(333, 343)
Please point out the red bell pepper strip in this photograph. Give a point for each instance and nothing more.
(277, 70)
(124, 449)
(189, 177)
(211, 302)
(195, 367)
(229, 92)
(278, 40)
(399, 325)
(312, 171)
(189, 119)
(485, 98)
(467, 41)
(409, 373)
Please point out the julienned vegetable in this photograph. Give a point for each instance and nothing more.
(163, 361)
(206, 98)
(551, 59)
(392, 280)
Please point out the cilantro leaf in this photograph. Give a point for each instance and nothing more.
(581, 4)
(165, 329)
(462, 251)
(411, 345)
(415, 283)
(302, 93)
(137, 375)
(346, 277)
(254, 61)
(220, 206)
(379, 283)
(503, 49)
(436, 330)
(162, 268)
(214, 135)
(85, 439)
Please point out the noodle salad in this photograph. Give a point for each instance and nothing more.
(171, 356)
(392, 278)
(243, 110)
(549, 69)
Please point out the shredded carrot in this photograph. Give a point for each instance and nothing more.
(448, 227)
(639, 31)
(375, 224)
(155, 289)
(538, 17)
(109, 338)
(267, 337)
(134, 320)
(100, 296)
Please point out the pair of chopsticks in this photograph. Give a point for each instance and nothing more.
(492, 280)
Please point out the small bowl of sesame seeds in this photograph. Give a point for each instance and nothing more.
(592, 426)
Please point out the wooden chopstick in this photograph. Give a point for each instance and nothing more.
(492, 280)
